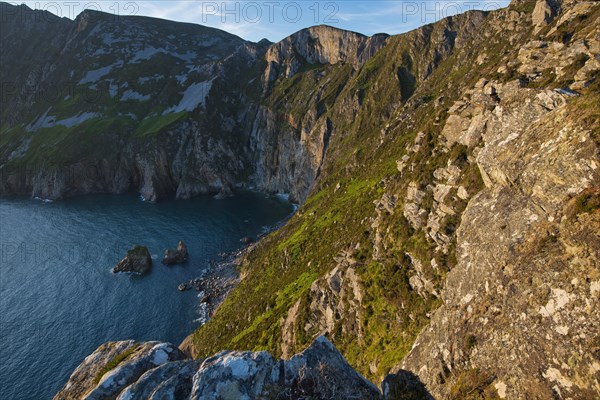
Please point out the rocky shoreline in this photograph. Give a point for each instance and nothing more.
(214, 284)
(212, 287)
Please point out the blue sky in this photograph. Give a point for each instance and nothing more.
(274, 20)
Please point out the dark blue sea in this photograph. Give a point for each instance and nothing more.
(59, 299)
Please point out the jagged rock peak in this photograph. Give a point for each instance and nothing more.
(321, 44)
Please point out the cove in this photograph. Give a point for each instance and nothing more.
(59, 299)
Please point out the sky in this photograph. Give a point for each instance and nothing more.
(274, 20)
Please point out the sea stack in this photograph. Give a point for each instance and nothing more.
(137, 261)
(178, 256)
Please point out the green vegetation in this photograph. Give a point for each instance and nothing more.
(61, 146)
(470, 342)
(138, 251)
(114, 363)
(587, 202)
(10, 136)
(317, 86)
(473, 384)
(155, 124)
(523, 6)
(586, 108)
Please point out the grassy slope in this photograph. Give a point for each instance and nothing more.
(282, 268)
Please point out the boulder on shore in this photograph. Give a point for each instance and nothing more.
(247, 240)
(137, 261)
(178, 256)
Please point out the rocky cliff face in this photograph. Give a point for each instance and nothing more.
(535, 299)
(320, 45)
(120, 104)
(526, 276)
(291, 132)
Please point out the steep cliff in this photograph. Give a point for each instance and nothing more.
(123, 104)
(518, 310)
(115, 104)
(319, 45)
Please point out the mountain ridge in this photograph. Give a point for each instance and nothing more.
(152, 181)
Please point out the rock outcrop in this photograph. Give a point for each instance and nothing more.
(247, 240)
(137, 261)
(543, 14)
(115, 366)
(153, 370)
(334, 302)
(320, 45)
(527, 262)
(178, 256)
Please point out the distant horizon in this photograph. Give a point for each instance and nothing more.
(276, 20)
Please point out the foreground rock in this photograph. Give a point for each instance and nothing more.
(137, 261)
(114, 366)
(152, 370)
(178, 256)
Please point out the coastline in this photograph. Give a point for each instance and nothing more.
(222, 278)
(90, 247)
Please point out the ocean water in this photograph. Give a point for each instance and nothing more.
(59, 299)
